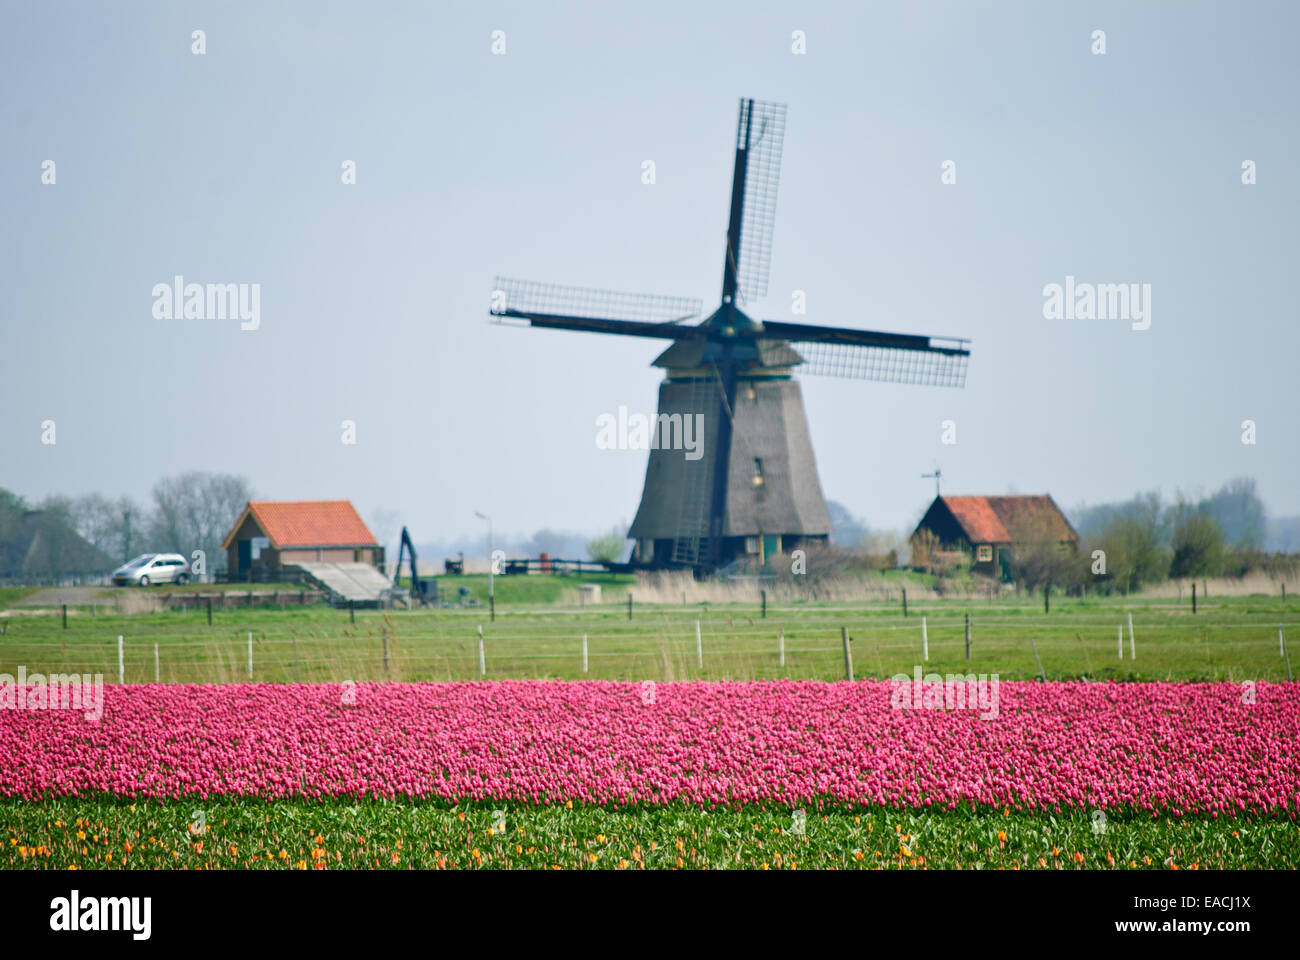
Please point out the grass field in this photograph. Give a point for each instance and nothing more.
(117, 833)
(1228, 639)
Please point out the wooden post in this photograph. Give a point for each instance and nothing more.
(156, 673)
(209, 611)
(905, 601)
(848, 654)
(1042, 676)
(763, 593)
(584, 653)
(250, 654)
(1047, 598)
(699, 647)
(65, 616)
(1121, 641)
(1284, 591)
(352, 610)
(492, 608)
(629, 604)
(250, 598)
(121, 661)
(1132, 644)
(925, 642)
(780, 647)
(1193, 596)
(968, 636)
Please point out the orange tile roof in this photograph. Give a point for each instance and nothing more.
(977, 518)
(1030, 518)
(1013, 518)
(308, 523)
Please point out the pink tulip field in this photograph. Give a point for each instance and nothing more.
(1160, 750)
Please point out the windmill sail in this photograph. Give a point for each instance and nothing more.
(760, 136)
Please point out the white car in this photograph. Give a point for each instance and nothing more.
(153, 568)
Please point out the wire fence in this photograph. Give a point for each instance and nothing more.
(663, 647)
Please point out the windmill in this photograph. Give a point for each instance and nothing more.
(754, 490)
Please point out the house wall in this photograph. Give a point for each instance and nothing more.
(371, 555)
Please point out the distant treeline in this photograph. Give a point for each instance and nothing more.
(60, 536)
(1147, 540)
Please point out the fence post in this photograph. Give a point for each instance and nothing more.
(1193, 596)
(121, 661)
(1132, 643)
(584, 653)
(482, 659)
(209, 611)
(1047, 598)
(1121, 641)
(492, 608)
(699, 647)
(968, 636)
(925, 642)
(250, 654)
(629, 604)
(156, 673)
(780, 646)
(352, 610)
(65, 616)
(763, 593)
(905, 601)
(848, 655)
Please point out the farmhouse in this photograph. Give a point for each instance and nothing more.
(990, 528)
(271, 534)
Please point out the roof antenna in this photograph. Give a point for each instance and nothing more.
(936, 475)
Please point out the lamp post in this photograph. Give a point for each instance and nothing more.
(492, 597)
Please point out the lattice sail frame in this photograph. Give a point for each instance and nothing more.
(940, 366)
(766, 127)
(511, 297)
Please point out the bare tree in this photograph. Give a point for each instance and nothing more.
(194, 511)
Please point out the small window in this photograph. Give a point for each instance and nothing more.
(751, 544)
(758, 472)
(984, 553)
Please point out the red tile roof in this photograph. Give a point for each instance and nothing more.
(308, 523)
(1030, 518)
(977, 519)
(1011, 519)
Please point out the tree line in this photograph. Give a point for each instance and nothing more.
(93, 533)
(1124, 546)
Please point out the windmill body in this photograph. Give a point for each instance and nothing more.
(754, 491)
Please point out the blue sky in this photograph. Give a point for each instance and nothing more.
(225, 168)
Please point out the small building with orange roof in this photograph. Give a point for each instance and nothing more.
(271, 534)
(989, 528)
